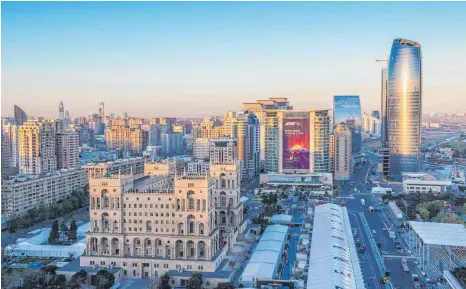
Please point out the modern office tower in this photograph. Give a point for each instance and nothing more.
(347, 109)
(11, 139)
(152, 225)
(125, 139)
(20, 115)
(319, 142)
(61, 110)
(342, 152)
(201, 149)
(228, 122)
(376, 114)
(383, 166)
(102, 109)
(272, 126)
(404, 101)
(260, 109)
(67, 148)
(223, 151)
(247, 132)
(134, 166)
(36, 147)
(25, 192)
(172, 143)
(371, 124)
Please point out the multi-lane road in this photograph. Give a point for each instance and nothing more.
(375, 261)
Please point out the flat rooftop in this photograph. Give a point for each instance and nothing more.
(440, 233)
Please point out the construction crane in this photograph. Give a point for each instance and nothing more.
(381, 60)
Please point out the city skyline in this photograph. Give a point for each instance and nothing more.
(173, 58)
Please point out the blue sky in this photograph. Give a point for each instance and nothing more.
(192, 59)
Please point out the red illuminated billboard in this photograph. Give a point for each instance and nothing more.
(295, 142)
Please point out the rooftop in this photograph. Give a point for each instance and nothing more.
(432, 176)
(440, 233)
(74, 266)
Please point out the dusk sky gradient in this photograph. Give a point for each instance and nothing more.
(194, 59)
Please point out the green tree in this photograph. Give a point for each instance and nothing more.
(195, 282)
(225, 285)
(103, 280)
(164, 281)
(73, 231)
(53, 237)
(78, 279)
(460, 275)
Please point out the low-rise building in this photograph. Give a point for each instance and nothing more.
(24, 192)
(123, 166)
(425, 183)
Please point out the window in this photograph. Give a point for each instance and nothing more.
(91, 263)
(102, 263)
(124, 263)
(165, 266)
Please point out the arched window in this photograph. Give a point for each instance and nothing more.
(178, 206)
(98, 203)
(180, 228)
(201, 228)
(106, 225)
(96, 226)
(203, 205)
(117, 203)
(191, 227)
(93, 202)
(230, 202)
(106, 202)
(198, 207)
(223, 199)
(115, 226)
(112, 204)
(191, 204)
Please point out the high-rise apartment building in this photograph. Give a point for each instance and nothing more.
(155, 133)
(319, 142)
(20, 115)
(264, 109)
(341, 154)
(207, 129)
(201, 148)
(36, 147)
(10, 137)
(228, 122)
(67, 150)
(404, 103)
(247, 132)
(347, 109)
(6, 153)
(123, 138)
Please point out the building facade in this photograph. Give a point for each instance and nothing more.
(67, 150)
(148, 227)
(25, 192)
(320, 141)
(223, 151)
(134, 166)
(247, 132)
(20, 116)
(371, 124)
(123, 138)
(404, 103)
(36, 147)
(10, 137)
(347, 109)
(342, 152)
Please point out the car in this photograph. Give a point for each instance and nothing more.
(374, 232)
(385, 229)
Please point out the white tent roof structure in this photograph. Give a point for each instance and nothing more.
(266, 256)
(333, 261)
(281, 219)
(440, 233)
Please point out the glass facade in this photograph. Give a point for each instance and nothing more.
(347, 109)
(404, 105)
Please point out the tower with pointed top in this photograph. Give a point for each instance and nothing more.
(61, 110)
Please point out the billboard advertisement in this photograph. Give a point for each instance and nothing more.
(295, 141)
(347, 109)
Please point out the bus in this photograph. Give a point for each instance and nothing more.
(404, 264)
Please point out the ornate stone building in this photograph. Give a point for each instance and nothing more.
(154, 224)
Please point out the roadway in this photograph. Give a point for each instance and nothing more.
(373, 264)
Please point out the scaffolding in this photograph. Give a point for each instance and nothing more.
(437, 246)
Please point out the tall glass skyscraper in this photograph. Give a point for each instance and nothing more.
(347, 109)
(404, 105)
